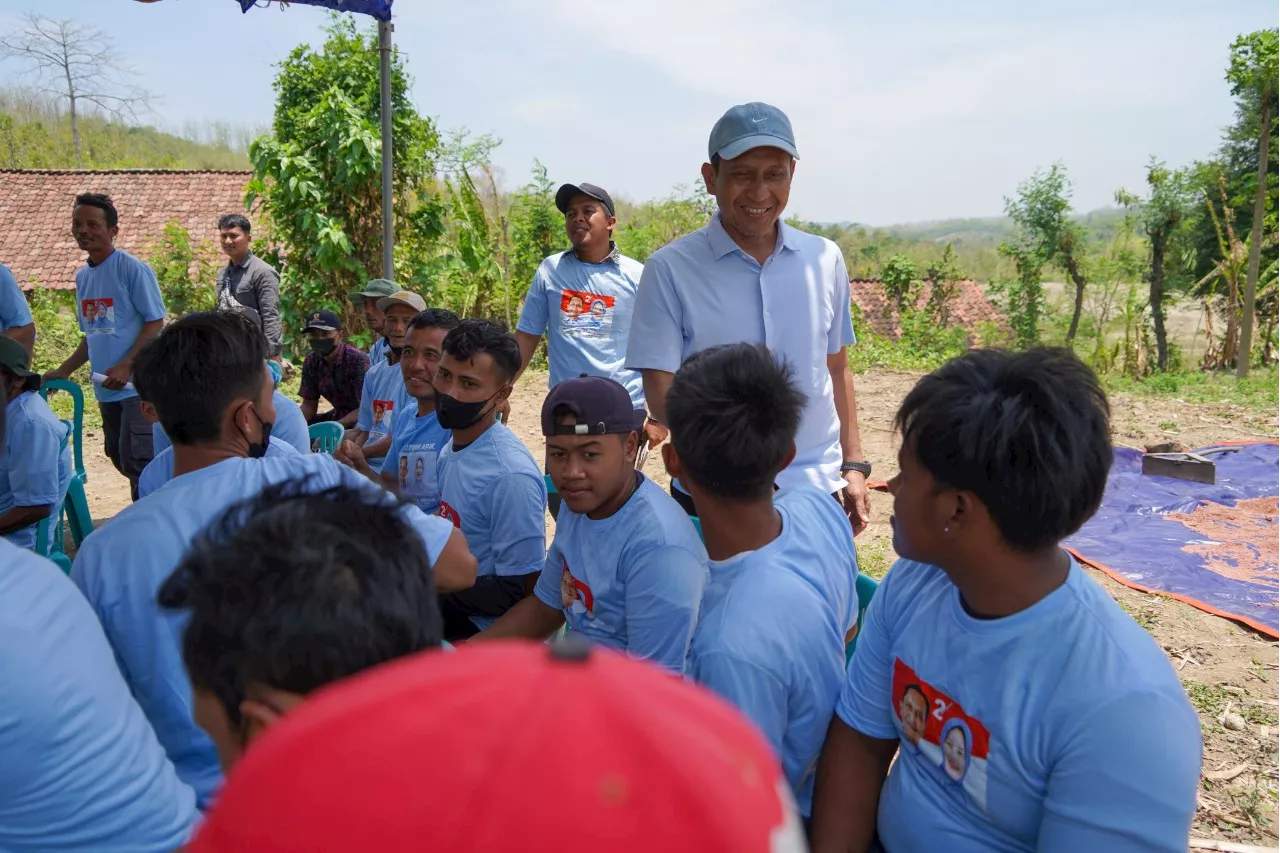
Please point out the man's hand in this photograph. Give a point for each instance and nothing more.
(56, 373)
(655, 432)
(352, 456)
(857, 505)
(117, 376)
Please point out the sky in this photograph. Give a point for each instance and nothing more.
(903, 112)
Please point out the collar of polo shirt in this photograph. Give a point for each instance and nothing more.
(722, 244)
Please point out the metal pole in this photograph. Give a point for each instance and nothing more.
(388, 223)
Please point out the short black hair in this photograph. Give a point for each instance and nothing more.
(100, 201)
(295, 588)
(234, 220)
(734, 411)
(471, 337)
(435, 318)
(193, 370)
(916, 688)
(1028, 433)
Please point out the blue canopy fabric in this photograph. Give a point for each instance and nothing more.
(380, 9)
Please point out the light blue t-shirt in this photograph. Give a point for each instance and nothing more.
(160, 469)
(114, 300)
(632, 581)
(1059, 729)
(378, 351)
(585, 312)
(14, 310)
(415, 448)
(772, 633)
(381, 397)
(82, 769)
(36, 468)
(702, 291)
(494, 492)
(121, 566)
(290, 426)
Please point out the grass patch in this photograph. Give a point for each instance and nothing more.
(875, 556)
(1146, 615)
(1259, 391)
(1208, 699)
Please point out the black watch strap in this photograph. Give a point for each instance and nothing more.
(863, 468)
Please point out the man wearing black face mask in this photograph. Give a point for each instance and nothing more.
(207, 379)
(490, 486)
(333, 369)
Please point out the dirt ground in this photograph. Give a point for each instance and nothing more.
(1230, 672)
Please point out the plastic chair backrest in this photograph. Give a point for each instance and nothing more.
(866, 587)
(697, 525)
(551, 487)
(77, 425)
(43, 545)
(327, 434)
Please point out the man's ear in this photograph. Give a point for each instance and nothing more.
(791, 455)
(672, 460)
(263, 707)
(631, 446)
(709, 177)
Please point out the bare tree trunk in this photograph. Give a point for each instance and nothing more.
(1073, 270)
(1157, 299)
(1255, 241)
(75, 124)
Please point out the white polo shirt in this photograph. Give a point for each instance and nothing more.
(703, 290)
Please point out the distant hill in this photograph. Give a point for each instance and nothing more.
(35, 134)
(990, 230)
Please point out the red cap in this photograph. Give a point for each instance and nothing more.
(505, 748)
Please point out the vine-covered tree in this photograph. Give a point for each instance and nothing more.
(317, 174)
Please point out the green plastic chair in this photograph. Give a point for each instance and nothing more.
(56, 552)
(327, 435)
(866, 587)
(76, 506)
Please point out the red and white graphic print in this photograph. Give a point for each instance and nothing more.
(450, 513)
(575, 594)
(584, 314)
(936, 730)
(98, 315)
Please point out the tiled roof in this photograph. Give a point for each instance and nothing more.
(35, 207)
(970, 307)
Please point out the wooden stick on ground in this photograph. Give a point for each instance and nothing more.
(1226, 846)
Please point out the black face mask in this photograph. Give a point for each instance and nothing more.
(455, 414)
(257, 450)
(324, 346)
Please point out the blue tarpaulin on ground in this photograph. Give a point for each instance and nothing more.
(380, 9)
(1213, 547)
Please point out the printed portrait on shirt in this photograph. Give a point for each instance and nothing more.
(382, 410)
(936, 731)
(575, 594)
(404, 471)
(584, 314)
(99, 316)
(418, 471)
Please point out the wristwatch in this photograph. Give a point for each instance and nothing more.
(863, 468)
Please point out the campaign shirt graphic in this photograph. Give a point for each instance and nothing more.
(936, 730)
(586, 315)
(382, 410)
(98, 316)
(450, 513)
(575, 594)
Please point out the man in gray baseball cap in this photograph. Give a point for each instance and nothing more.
(748, 276)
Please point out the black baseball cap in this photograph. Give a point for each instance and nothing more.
(323, 321)
(565, 194)
(601, 406)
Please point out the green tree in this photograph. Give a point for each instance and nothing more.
(185, 269)
(944, 281)
(1162, 215)
(1024, 295)
(644, 229)
(1252, 73)
(317, 174)
(1042, 212)
(537, 230)
(898, 276)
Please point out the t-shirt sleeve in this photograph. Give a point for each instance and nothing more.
(517, 525)
(144, 290)
(364, 421)
(14, 310)
(533, 316)
(664, 591)
(865, 703)
(309, 385)
(434, 530)
(656, 339)
(33, 469)
(840, 335)
(154, 475)
(756, 692)
(1127, 780)
(159, 439)
(548, 587)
